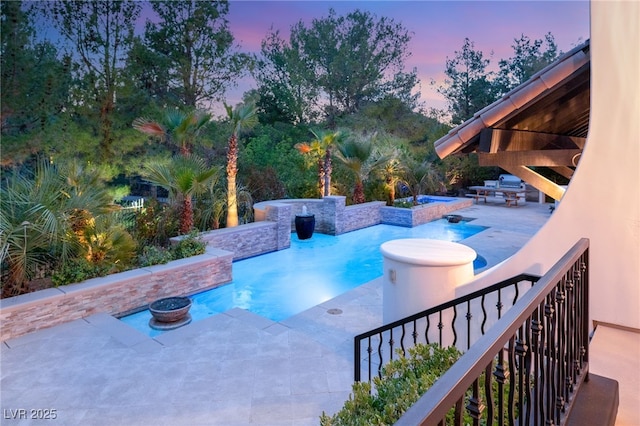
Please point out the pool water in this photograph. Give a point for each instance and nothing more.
(281, 284)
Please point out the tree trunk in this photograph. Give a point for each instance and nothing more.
(106, 125)
(358, 193)
(186, 221)
(327, 172)
(321, 177)
(232, 172)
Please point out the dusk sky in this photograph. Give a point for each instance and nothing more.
(439, 28)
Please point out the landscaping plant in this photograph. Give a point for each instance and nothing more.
(403, 381)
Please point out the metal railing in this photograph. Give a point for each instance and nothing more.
(459, 323)
(529, 366)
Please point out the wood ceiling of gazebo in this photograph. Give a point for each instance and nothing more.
(543, 123)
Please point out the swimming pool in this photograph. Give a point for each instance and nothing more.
(281, 284)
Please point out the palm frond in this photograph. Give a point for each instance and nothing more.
(149, 127)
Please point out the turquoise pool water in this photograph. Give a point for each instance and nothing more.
(284, 283)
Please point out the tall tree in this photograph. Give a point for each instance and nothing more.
(468, 86)
(35, 82)
(529, 58)
(243, 116)
(288, 92)
(194, 38)
(100, 32)
(351, 59)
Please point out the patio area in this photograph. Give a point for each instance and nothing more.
(235, 368)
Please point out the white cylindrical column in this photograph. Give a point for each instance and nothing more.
(421, 273)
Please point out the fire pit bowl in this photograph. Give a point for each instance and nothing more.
(170, 309)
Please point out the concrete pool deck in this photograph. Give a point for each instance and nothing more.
(235, 368)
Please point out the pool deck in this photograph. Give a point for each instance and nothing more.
(235, 368)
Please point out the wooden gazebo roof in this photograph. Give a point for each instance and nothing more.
(543, 123)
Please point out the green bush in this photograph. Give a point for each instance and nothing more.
(152, 255)
(190, 245)
(81, 269)
(75, 271)
(403, 382)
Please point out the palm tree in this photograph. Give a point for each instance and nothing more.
(184, 177)
(243, 116)
(321, 148)
(391, 173)
(419, 177)
(179, 128)
(356, 154)
(42, 217)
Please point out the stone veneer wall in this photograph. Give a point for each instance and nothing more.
(252, 239)
(362, 216)
(114, 294)
(333, 216)
(421, 214)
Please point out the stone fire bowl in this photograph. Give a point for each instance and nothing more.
(170, 309)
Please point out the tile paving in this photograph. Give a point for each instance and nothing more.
(235, 368)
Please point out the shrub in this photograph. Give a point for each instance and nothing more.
(189, 245)
(75, 271)
(403, 382)
(152, 255)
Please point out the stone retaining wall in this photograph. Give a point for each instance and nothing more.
(114, 294)
(252, 239)
(421, 214)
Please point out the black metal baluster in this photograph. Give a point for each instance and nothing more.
(488, 392)
(475, 407)
(440, 326)
(468, 316)
(501, 378)
(426, 331)
(521, 350)
(414, 334)
(391, 342)
(402, 341)
(562, 396)
(572, 354)
(550, 358)
(512, 380)
(484, 315)
(515, 296)
(528, 371)
(499, 304)
(369, 351)
(584, 264)
(453, 326)
(458, 418)
(542, 373)
(380, 354)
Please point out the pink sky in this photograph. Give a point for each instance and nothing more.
(439, 28)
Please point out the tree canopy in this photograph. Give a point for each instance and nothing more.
(339, 63)
(193, 41)
(470, 86)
